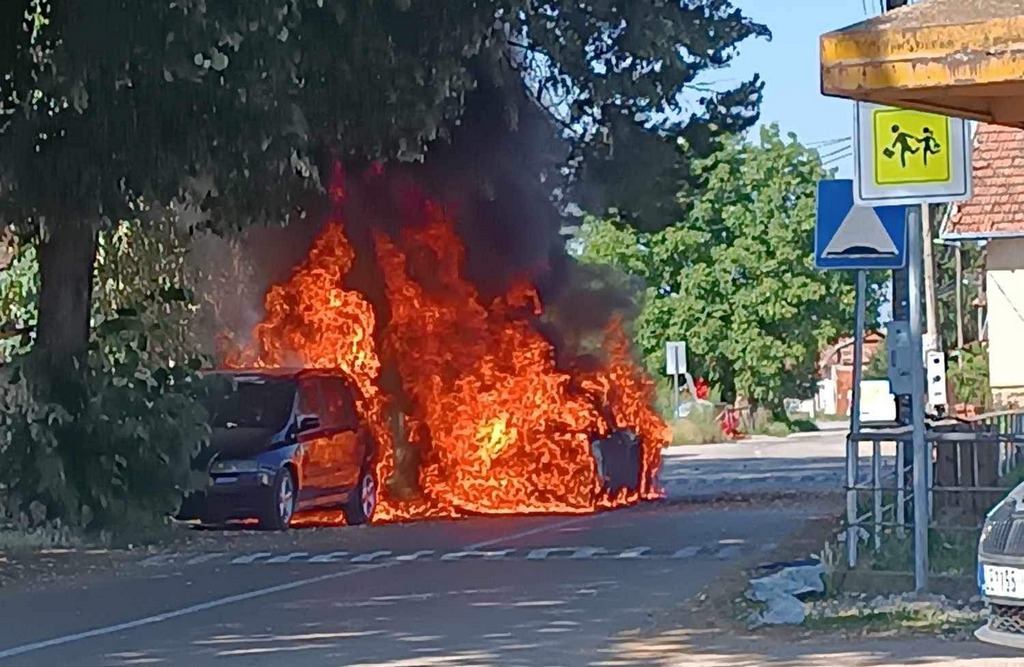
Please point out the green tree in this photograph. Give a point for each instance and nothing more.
(878, 367)
(734, 277)
(224, 113)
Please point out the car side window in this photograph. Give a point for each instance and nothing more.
(339, 407)
(310, 403)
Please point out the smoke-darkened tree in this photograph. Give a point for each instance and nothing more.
(223, 112)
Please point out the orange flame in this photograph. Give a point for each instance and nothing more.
(495, 425)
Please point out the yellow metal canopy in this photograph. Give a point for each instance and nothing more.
(956, 57)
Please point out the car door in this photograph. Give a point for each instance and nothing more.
(346, 453)
(312, 438)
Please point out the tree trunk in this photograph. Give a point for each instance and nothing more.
(66, 260)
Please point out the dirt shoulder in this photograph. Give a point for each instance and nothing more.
(711, 631)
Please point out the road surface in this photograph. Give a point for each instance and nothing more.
(803, 463)
(508, 591)
(513, 591)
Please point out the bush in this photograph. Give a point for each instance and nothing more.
(803, 426)
(968, 373)
(699, 428)
(121, 456)
(775, 429)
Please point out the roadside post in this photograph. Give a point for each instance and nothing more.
(848, 237)
(675, 365)
(912, 158)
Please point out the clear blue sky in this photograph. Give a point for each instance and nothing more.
(789, 66)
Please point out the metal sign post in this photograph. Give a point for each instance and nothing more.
(852, 445)
(675, 384)
(675, 365)
(922, 458)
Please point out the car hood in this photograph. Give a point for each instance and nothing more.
(235, 443)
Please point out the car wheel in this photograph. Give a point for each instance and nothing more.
(362, 502)
(280, 505)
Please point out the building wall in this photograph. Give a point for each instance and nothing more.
(838, 366)
(1004, 286)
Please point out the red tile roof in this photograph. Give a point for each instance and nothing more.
(997, 207)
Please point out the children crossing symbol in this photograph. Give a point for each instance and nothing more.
(903, 156)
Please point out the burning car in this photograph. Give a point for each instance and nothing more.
(285, 441)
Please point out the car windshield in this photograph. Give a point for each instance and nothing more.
(252, 403)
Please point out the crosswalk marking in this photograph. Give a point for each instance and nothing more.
(205, 558)
(405, 558)
(368, 558)
(576, 553)
(686, 552)
(476, 555)
(332, 557)
(288, 558)
(250, 558)
(720, 550)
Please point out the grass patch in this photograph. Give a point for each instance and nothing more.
(925, 621)
(14, 541)
(696, 431)
(950, 551)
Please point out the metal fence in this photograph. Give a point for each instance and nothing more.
(973, 463)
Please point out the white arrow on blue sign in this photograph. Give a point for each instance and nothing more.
(857, 237)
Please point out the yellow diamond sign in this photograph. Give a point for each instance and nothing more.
(910, 157)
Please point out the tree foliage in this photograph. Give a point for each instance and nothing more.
(229, 106)
(734, 278)
(121, 456)
(219, 114)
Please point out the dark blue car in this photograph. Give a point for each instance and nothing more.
(284, 441)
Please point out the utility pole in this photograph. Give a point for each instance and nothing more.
(900, 278)
(959, 304)
(934, 340)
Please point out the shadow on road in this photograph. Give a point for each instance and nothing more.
(714, 648)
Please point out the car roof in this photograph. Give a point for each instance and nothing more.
(281, 373)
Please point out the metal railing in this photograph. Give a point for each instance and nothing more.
(973, 464)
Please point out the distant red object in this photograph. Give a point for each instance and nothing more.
(729, 422)
(702, 388)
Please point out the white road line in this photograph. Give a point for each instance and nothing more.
(406, 558)
(250, 595)
(686, 552)
(205, 558)
(368, 558)
(635, 552)
(473, 553)
(250, 558)
(287, 558)
(332, 557)
(158, 560)
(575, 553)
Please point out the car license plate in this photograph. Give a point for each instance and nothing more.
(1004, 582)
(225, 479)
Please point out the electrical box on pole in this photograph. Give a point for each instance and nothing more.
(901, 360)
(935, 369)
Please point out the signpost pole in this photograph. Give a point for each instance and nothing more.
(922, 459)
(852, 444)
(675, 382)
(858, 350)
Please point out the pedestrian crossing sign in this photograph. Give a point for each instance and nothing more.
(903, 156)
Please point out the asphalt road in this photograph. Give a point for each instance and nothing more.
(803, 463)
(508, 591)
(540, 591)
